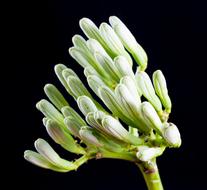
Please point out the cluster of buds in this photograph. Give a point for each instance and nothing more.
(126, 127)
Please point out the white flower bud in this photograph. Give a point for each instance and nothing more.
(49, 154)
(62, 138)
(108, 66)
(147, 90)
(129, 41)
(55, 96)
(86, 105)
(172, 135)
(114, 127)
(161, 89)
(87, 135)
(113, 42)
(131, 86)
(68, 111)
(77, 87)
(38, 160)
(123, 66)
(49, 111)
(146, 154)
(73, 125)
(151, 117)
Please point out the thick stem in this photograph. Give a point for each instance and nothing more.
(151, 175)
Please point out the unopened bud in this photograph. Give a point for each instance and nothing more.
(172, 135)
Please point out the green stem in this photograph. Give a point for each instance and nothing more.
(121, 155)
(151, 175)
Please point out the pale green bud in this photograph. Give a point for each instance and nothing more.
(95, 46)
(129, 41)
(77, 87)
(161, 89)
(86, 105)
(115, 129)
(123, 66)
(87, 135)
(109, 99)
(147, 90)
(49, 154)
(44, 120)
(151, 117)
(38, 160)
(55, 96)
(90, 71)
(91, 31)
(94, 119)
(132, 87)
(114, 104)
(95, 82)
(80, 56)
(49, 111)
(130, 107)
(73, 125)
(172, 135)
(80, 42)
(68, 72)
(145, 153)
(113, 42)
(108, 66)
(58, 71)
(68, 111)
(62, 138)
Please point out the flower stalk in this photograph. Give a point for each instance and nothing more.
(127, 127)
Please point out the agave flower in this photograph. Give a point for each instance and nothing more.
(127, 127)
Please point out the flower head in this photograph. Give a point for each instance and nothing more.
(126, 125)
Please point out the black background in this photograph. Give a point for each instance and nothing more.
(39, 35)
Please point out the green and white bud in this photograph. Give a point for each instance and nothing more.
(92, 31)
(55, 96)
(68, 111)
(95, 46)
(38, 160)
(145, 153)
(86, 105)
(126, 99)
(151, 117)
(77, 87)
(115, 129)
(108, 66)
(49, 111)
(87, 135)
(161, 89)
(147, 90)
(62, 138)
(80, 43)
(68, 72)
(113, 42)
(172, 135)
(80, 56)
(95, 82)
(58, 71)
(132, 87)
(44, 120)
(89, 70)
(73, 125)
(129, 41)
(123, 66)
(109, 99)
(49, 154)
(94, 119)
(130, 107)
